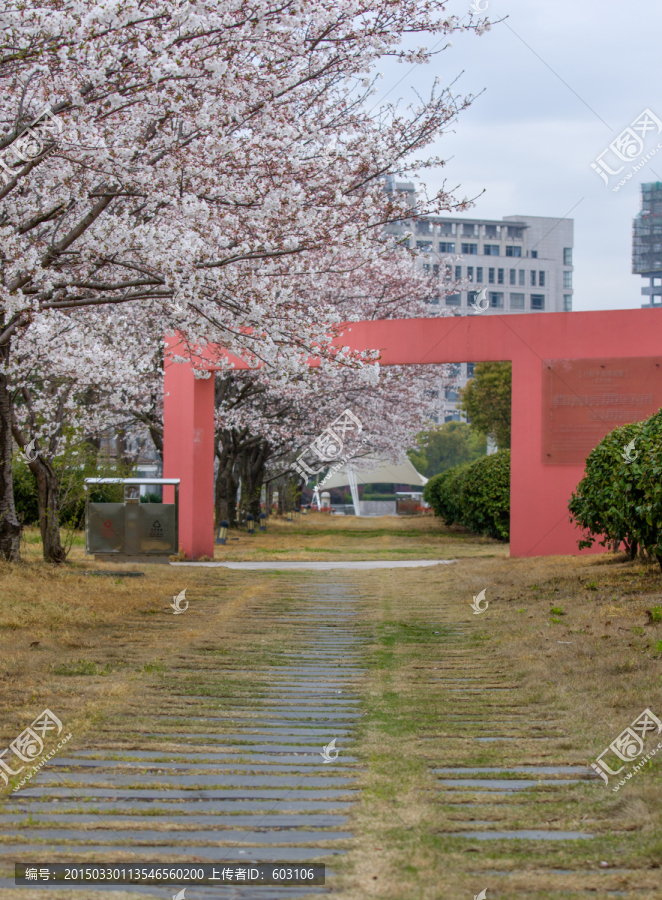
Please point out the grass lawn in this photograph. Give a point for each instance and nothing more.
(567, 655)
(318, 536)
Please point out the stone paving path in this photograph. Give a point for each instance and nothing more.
(249, 785)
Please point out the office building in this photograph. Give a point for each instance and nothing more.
(647, 243)
(517, 265)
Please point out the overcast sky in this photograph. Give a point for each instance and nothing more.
(561, 80)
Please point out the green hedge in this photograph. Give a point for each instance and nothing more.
(25, 492)
(619, 501)
(72, 495)
(475, 495)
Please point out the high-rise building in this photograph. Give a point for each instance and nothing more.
(647, 242)
(518, 264)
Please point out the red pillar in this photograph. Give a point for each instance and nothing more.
(188, 453)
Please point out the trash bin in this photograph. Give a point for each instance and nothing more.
(131, 531)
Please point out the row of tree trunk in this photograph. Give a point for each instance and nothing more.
(242, 461)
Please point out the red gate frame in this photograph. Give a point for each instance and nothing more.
(540, 523)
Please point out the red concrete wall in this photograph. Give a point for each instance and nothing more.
(539, 493)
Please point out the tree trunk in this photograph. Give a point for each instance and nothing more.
(10, 529)
(47, 502)
(253, 469)
(225, 489)
(49, 514)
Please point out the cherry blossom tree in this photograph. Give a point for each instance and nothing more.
(195, 157)
(263, 425)
(68, 385)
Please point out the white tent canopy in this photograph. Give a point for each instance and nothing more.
(383, 472)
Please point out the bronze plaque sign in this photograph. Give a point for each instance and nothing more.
(584, 399)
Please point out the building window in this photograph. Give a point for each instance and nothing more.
(513, 251)
(567, 279)
(500, 276)
(423, 227)
(424, 245)
(567, 303)
(496, 299)
(537, 301)
(513, 276)
(567, 256)
(445, 247)
(470, 273)
(490, 249)
(447, 229)
(541, 279)
(492, 231)
(452, 417)
(452, 394)
(522, 277)
(515, 232)
(490, 276)
(468, 230)
(470, 370)
(456, 370)
(469, 249)
(458, 273)
(453, 300)
(426, 268)
(533, 277)
(431, 395)
(435, 271)
(517, 301)
(479, 274)
(534, 254)
(405, 242)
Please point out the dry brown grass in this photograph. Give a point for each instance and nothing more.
(60, 620)
(589, 690)
(319, 536)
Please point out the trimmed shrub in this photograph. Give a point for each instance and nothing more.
(475, 495)
(442, 494)
(619, 501)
